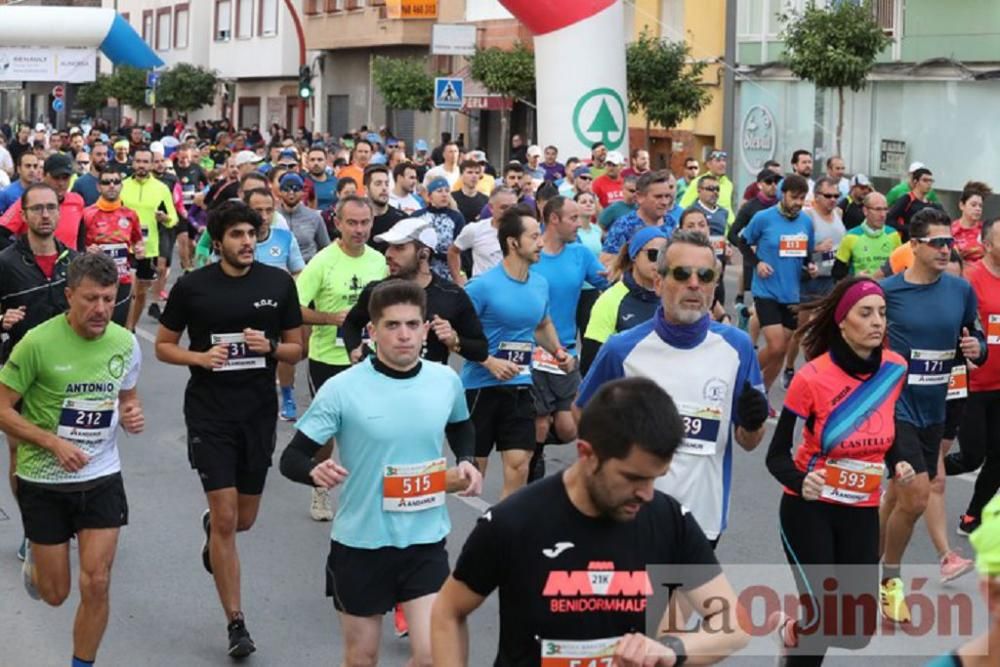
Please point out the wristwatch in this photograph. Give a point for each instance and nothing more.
(274, 346)
(677, 646)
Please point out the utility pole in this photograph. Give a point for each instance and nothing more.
(302, 55)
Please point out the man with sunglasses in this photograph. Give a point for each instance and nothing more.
(708, 368)
(306, 223)
(929, 343)
(716, 166)
(914, 201)
(690, 174)
(113, 229)
(86, 184)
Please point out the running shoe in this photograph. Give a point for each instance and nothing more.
(771, 412)
(289, 411)
(892, 601)
(786, 378)
(782, 628)
(399, 620)
(163, 295)
(967, 524)
(154, 311)
(240, 643)
(21, 549)
(28, 573)
(743, 317)
(206, 555)
(954, 566)
(319, 509)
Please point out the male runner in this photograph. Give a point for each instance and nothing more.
(868, 246)
(388, 540)
(63, 392)
(480, 238)
(561, 551)
(929, 345)
(242, 317)
(655, 197)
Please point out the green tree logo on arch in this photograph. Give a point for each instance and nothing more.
(600, 116)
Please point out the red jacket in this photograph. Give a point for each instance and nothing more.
(69, 230)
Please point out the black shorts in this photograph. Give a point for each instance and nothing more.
(184, 226)
(954, 410)
(123, 300)
(320, 373)
(504, 416)
(145, 269)
(168, 237)
(552, 392)
(53, 517)
(232, 454)
(770, 312)
(920, 446)
(370, 582)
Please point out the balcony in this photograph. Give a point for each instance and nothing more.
(353, 24)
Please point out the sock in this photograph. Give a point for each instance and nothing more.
(890, 572)
(536, 467)
(80, 662)
(286, 393)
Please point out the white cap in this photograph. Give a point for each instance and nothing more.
(916, 165)
(534, 150)
(247, 157)
(614, 157)
(408, 230)
(40, 127)
(860, 180)
(156, 147)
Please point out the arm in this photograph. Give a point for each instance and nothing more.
(717, 604)
(310, 316)
(169, 351)
(596, 273)
(588, 351)
(472, 343)
(547, 337)
(779, 453)
(322, 237)
(449, 626)
(19, 429)
(357, 318)
(297, 459)
(295, 261)
(455, 265)
(840, 270)
(130, 411)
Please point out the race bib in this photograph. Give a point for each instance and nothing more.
(701, 429)
(930, 367)
(825, 260)
(993, 330)
(119, 253)
(850, 481)
(718, 245)
(86, 422)
(793, 245)
(578, 653)
(414, 487)
(241, 358)
(519, 353)
(958, 383)
(545, 362)
(145, 232)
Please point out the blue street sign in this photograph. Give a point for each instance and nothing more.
(58, 104)
(151, 79)
(448, 93)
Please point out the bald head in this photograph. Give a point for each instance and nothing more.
(875, 210)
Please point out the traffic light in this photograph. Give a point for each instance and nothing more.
(305, 82)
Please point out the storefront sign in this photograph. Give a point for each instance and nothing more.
(489, 103)
(892, 157)
(453, 39)
(411, 9)
(758, 138)
(22, 63)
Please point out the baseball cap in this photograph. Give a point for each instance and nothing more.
(290, 180)
(582, 170)
(374, 138)
(437, 184)
(408, 230)
(156, 147)
(860, 180)
(765, 175)
(40, 127)
(478, 156)
(420, 145)
(288, 153)
(614, 157)
(534, 150)
(247, 157)
(916, 165)
(58, 164)
(121, 143)
(642, 237)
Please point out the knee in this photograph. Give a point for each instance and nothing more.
(245, 523)
(518, 467)
(224, 521)
(53, 594)
(937, 485)
(361, 657)
(913, 500)
(94, 584)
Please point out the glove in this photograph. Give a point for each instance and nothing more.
(751, 408)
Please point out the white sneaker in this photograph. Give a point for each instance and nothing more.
(27, 571)
(319, 509)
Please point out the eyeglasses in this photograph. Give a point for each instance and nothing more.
(682, 274)
(718, 155)
(43, 208)
(586, 178)
(877, 209)
(709, 188)
(938, 242)
(111, 183)
(827, 195)
(652, 254)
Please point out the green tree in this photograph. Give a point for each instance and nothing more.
(404, 84)
(663, 83)
(92, 97)
(833, 47)
(185, 87)
(509, 74)
(128, 86)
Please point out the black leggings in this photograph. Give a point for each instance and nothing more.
(979, 437)
(588, 298)
(818, 538)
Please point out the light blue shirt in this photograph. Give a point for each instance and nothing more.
(566, 274)
(281, 251)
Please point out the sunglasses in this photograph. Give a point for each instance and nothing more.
(938, 242)
(291, 188)
(710, 188)
(109, 183)
(827, 195)
(717, 155)
(682, 274)
(586, 178)
(652, 254)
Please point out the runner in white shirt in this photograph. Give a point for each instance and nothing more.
(481, 238)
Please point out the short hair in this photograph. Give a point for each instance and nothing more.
(550, 147)
(247, 194)
(352, 199)
(651, 178)
(924, 219)
(690, 159)
(636, 151)
(571, 160)
(827, 181)
(511, 226)
(688, 212)
(142, 149)
(400, 169)
(108, 169)
(920, 173)
(502, 190)
(373, 169)
(554, 206)
(686, 236)
(316, 149)
(97, 266)
(344, 182)
(34, 187)
(469, 164)
(799, 153)
(973, 188)
(362, 141)
(829, 160)
(795, 184)
(513, 167)
(631, 412)
(630, 178)
(771, 163)
(707, 177)
(394, 292)
(252, 176)
(597, 144)
(20, 158)
(546, 191)
(230, 213)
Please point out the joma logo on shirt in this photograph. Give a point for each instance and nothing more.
(265, 302)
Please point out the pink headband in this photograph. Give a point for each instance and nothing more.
(855, 293)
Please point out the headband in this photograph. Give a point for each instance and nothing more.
(855, 293)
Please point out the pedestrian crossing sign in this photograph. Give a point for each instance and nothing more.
(448, 93)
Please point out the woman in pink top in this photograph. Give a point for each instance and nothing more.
(968, 228)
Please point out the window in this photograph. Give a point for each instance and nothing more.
(182, 19)
(267, 25)
(163, 29)
(311, 7)
(244, 19)
(147, 26)
(355, 4)
(334, 5)
(223, 20)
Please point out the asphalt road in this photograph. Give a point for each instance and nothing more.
(164, 610)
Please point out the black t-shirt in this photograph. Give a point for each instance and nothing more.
(192, 179)
(470, 207)
(565, 576)
(382, 224)
(207, 302)
(220, 192)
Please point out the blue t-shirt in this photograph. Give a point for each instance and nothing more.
(326, 191)
(625, 227)
(86, 187)
(281, 251)
(925, 323)
(566, 274)
(779, 242)
(10, 194)
(373, 434)
(510, 311)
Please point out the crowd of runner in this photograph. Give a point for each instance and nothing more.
(585, 302)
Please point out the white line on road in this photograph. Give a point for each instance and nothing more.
(145, 335)
(477, 504)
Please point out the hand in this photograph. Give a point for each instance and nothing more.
(638, 650)
(566, 361)
(12, 316)
(71, 457)
(140, 250)
(328, 474)
(729, 251)
(461, 280)
(970, 346)
(356, 354)
(162, 217)
(444, 332)
(257, 341)
(905, 473)
(764, 270)
(131, 417)
(812, 485)
(472, 477)
(751, 408)
(215, 357)
(502, 369)
(812, 269)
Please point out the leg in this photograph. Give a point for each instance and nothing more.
(515, 470)
(754, 328)
(361, 638)
(911, 502)
(418, 616)
(97, 553)
(565, 426)
(884, 512)
(12, 470)
(982, 425)
(224, 505)
(184, 250)
(776, 339)
(140, 287)
(51, 575)
(934, 516)
(160, 284)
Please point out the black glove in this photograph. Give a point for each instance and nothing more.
(751, 408)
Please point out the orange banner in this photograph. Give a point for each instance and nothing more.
(411, 9)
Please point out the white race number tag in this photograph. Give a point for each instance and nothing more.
(579, 653)
(958, 383)
(701, 429)
(930, 367)
(119, 253)
(241, 357)
(519, 353)
(86, 422)
(414, 487)
(993, 330)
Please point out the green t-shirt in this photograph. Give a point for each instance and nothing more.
(865, 250)
(613, 212)
(603, 322)
(332, 281)
(69, 385)
(901, 189)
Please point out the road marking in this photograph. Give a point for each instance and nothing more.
(475, 503)
(145, 335)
